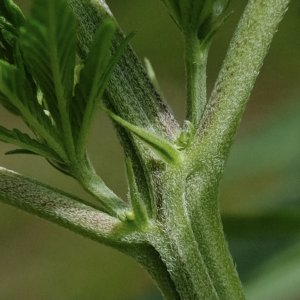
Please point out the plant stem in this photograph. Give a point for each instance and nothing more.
(175, 241)
(92, 183)
(208, 154)
(218, 259)
(207, 226)
(55, 206)
(195, 62)
(72, 213)
(197, 257)
(130, 91)
(191, 260)
(235, 82)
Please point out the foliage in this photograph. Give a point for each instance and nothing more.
(201, 18)
(39, 84)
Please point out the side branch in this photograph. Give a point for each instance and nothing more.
(241, 67)
(71, 213)
(56, 206)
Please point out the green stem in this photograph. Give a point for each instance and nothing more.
(189, 237)
(129, 90)
(92, 183)
(236, 80)
(207, 155)
(218, 259)
(207, 227)
(195, 61)
(140, 215)
(186, 259)
(72, 213)
(49, 203)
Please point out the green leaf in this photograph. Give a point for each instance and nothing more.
(17, 95)
(9, 48)
(11, 12)
(151, 74)
(11, 18)
(11, 108)
(19, 151)
(174, 10)
(139, 208)
(5, 26)
(198, 17)
(48, 42)
(93, 79)
(163, 148)
(186, 136)
(24, 141)
(92, 82)
(12, 94)
(61, 167)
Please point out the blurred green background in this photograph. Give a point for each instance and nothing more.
(41, 261)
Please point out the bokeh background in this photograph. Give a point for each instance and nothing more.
(40, 261)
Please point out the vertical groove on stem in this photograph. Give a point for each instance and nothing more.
(201, 199)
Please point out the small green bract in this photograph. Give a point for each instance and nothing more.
(199, 17)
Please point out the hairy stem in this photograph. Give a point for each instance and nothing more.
(174, 238)
(72, 213)
(48, 203)
(207, 227)
(240, 69)
(130, 91)
(185, 250)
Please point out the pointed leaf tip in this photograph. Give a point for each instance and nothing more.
(27, 144)
(163, 148)
(48, 43)
(94, 77)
